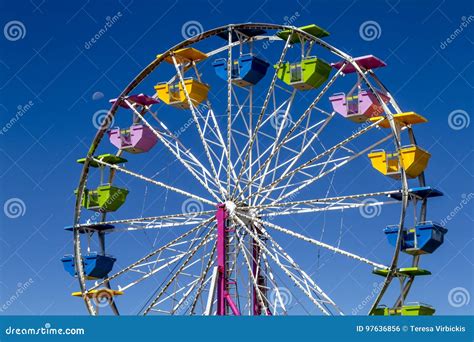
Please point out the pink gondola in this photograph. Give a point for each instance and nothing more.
(367, 62)
(358, 104)
(136, 139)
(359, 107)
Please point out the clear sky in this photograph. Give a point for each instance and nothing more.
(53, 78)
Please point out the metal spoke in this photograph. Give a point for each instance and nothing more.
(152, 181)
(229, 106)
(202, 282)
(217, 131)
(337, 166)
(319, 156)
(255, 285)
(331, 207)
(179, 154)
(322, 200)
(264, 108)
(190, 255)
(299, 121)
(201, 135)
(150, 255)
(284, 268)
(315, 242)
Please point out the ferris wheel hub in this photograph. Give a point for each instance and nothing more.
(230, 207)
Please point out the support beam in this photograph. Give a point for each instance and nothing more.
(224, 299)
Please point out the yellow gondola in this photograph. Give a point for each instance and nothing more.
(413, 158)
(403, 119)
(173, 93)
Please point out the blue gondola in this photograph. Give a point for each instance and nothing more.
(96, 266)
(93, 227)
(68, 264)
(421, 192)
(429, 236)
(247, 70)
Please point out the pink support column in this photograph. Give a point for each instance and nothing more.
(221, 217)
(223, 296)
(232, 305)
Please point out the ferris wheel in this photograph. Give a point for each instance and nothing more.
(280, 127)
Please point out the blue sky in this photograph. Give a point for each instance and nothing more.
(51, 72)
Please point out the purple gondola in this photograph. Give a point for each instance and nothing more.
(139, 99)
(359, 107)
(136, 139)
